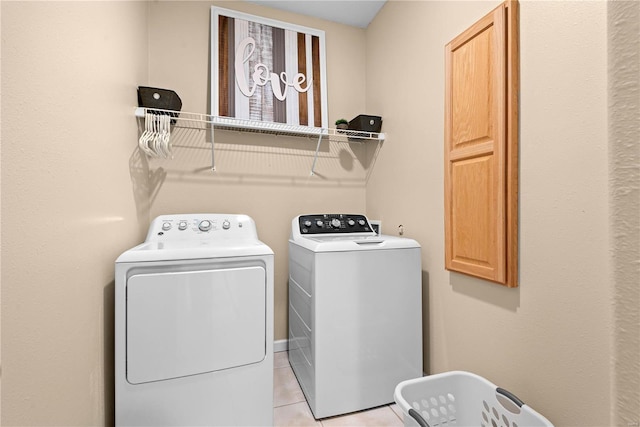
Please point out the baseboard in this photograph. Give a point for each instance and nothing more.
(280, 345)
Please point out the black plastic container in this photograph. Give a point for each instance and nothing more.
(163, 99)
(366, 123)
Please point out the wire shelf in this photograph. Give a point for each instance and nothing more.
(207, 122)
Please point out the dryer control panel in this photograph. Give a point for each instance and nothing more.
(205, 226)
(333, 223)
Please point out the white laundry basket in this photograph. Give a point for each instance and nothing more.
(462, 399)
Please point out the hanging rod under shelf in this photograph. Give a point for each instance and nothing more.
(207, 121)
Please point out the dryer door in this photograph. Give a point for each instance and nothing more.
(192, 322)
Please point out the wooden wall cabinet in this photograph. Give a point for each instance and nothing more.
(481, 148)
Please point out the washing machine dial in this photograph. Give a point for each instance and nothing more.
(307, 223)
(205, 225)
(226, 225)
(362, 222)
(351, 222)
(166, 226)
(335, 223)
(319, 223)
(182, 225)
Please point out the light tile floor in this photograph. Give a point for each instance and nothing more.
(290, 407)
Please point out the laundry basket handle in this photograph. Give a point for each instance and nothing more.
(510, 396)
(416, 416)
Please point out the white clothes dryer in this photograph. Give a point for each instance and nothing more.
(355, 312)
(194, 325)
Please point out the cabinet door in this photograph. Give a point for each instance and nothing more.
(481, 148)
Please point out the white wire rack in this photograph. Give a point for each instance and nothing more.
(206, 122)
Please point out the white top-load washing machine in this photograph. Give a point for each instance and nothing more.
(355, 312)
(194, 325)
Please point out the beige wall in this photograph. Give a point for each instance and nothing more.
(548, 341)
(69, 74)
(623, 19)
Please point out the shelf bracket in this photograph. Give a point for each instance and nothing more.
(315, 157)
(213, 155)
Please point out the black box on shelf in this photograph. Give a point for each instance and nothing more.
(163, 99)
(160, 99)
(361, 127)
(366, 123)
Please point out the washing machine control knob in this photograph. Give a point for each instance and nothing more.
(335, 223)
(319, 223)
(182, 225)
(166, 226)
(362, 222)
(351, 222)
(226, 224)
(307, 223)
(205, 225)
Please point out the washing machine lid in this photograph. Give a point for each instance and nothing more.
(353, 243)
